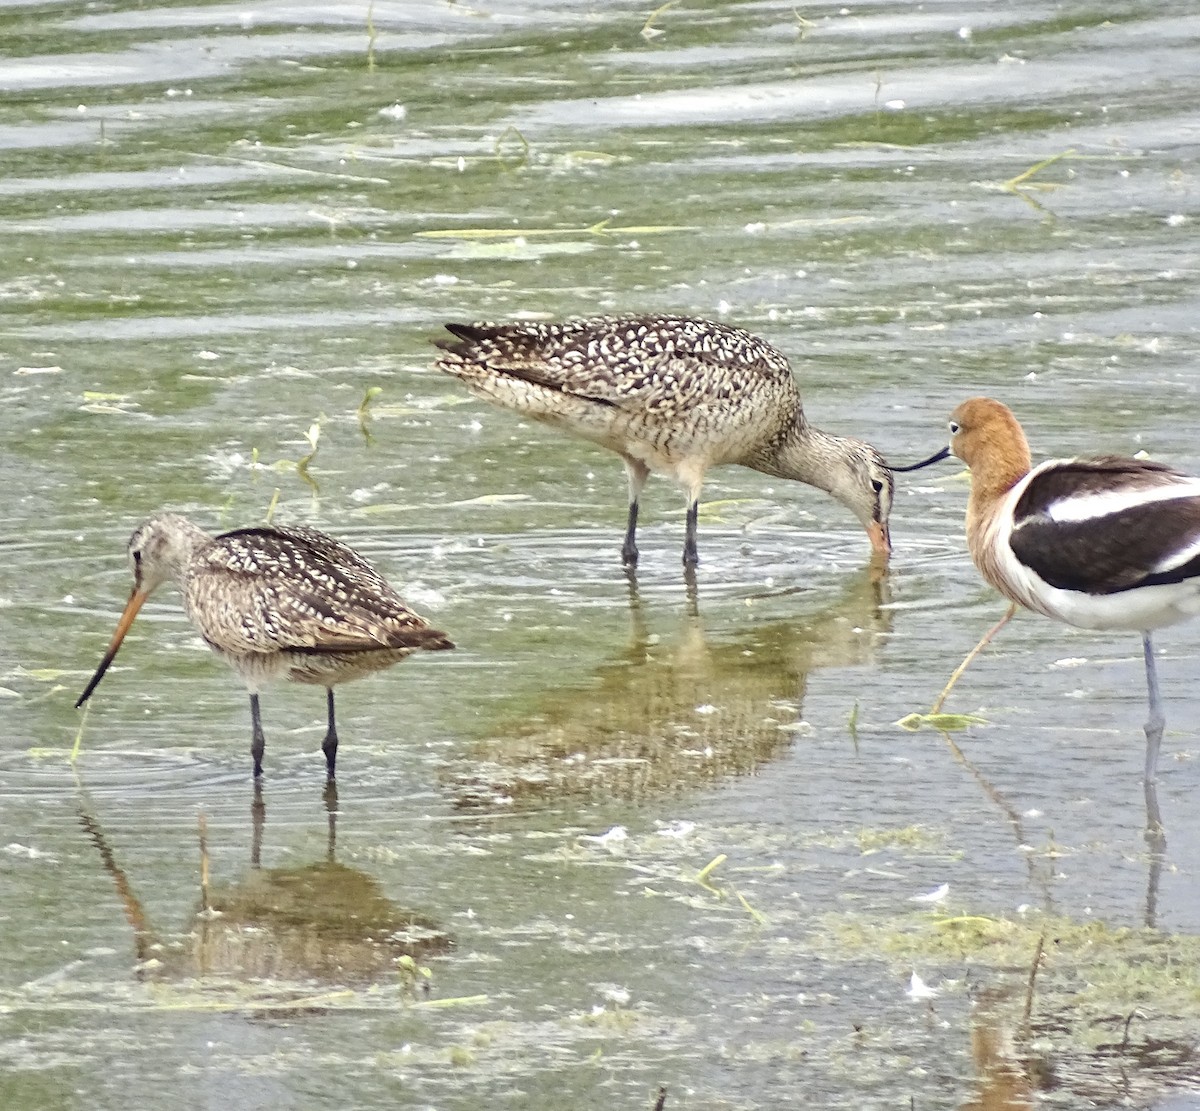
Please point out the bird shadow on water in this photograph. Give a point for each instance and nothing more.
(322, 921)
(671, 713)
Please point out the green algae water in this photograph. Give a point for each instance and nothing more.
(621, 838)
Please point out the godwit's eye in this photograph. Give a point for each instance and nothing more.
(136, 556)
(876, 485)
(954, 428)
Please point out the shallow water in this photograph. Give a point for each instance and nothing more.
(222, 226)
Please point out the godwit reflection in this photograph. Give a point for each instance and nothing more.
(672, 714)
(322, 921)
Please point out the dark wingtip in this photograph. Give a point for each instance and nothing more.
(464, 336)
(414, 637)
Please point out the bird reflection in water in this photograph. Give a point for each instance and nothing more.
(323, 921)
(1042, 868)
(1003, 1079)
(1030, 1053)
(674, 714)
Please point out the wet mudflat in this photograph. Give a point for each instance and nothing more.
(614, 841)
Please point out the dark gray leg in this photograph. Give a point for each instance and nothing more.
(1157, 720)
(690, 555)
(257, 741)
(258, 817)
(636, 472)
(629, 552)
(329, 746)
(692, 591)
(330, 795)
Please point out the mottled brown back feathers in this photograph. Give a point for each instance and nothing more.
(275, 588)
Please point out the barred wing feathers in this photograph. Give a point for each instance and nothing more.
(632, 363)
(272, 589)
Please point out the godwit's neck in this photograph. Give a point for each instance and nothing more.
(806, 454)
(190, 540)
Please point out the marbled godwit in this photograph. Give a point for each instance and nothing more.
(671, 395)
(1101, 543)
(275, 603)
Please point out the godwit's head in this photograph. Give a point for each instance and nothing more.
(864, 484)
(159, 549)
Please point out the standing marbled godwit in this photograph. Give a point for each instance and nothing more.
(1102, 543)
(275, 603)
(672, 395)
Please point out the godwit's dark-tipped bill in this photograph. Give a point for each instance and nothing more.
(136, 599)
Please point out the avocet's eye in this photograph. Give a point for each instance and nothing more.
(954, 428)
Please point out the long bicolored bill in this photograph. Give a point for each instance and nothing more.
(937, 457)
(136, 599)
(881, 540)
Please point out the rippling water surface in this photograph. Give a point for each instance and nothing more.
(615, 841)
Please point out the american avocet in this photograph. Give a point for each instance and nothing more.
(670, 395)
(1102, 543)
(275, 603)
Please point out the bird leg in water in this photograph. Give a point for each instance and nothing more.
(690, 555)
(983, 643)
(1157, 719)
(330, 798)
(629, 552)
(257, 741)
(258, 818)
(636, 472)
(329, 745)
(693, 592)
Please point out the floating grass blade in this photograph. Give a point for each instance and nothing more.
(602, 228)
(271, 507)
(79, 733)
(364, 406)
(456, 1001)
(948, 723)
(649, 31)
(709, 868)
(944, 723)
(313, 436)
(522, 155)
(759, 918)
(1024, 178)
(364, 412)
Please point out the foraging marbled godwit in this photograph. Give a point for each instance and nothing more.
(1101, 543)
(275, 603)
(671, 395)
